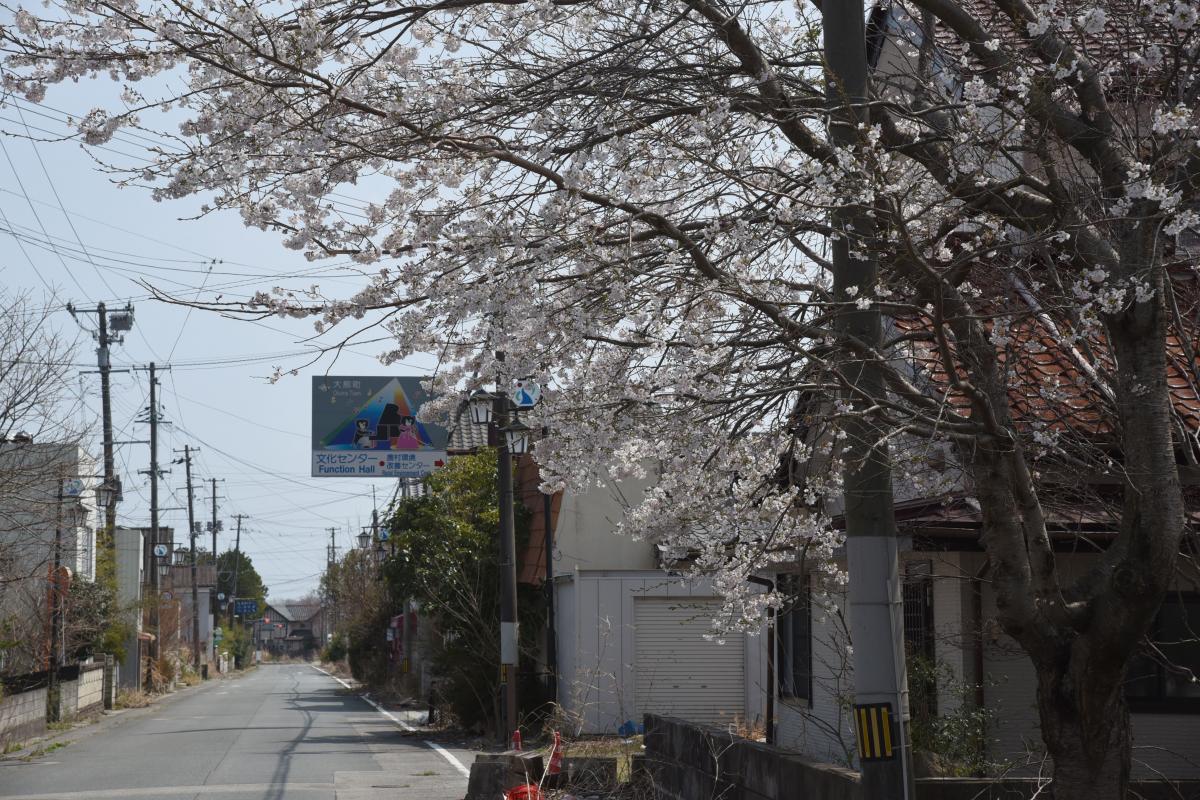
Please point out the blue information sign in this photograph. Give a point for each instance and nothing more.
(245, 608)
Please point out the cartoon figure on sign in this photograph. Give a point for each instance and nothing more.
(362, 434)
(406, 437)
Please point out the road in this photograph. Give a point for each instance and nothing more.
(276, 733)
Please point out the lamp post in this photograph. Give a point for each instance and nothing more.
(512, 438)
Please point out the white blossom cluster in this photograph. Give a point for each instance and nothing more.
(634, 205)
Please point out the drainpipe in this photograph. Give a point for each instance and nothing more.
(770, 713)
(977, 613)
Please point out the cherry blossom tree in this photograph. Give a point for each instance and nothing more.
(635, 202)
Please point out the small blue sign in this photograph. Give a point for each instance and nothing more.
(245, 608)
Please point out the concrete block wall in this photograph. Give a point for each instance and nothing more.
(89, 695)
(68, 698)
(686, 761)
(22, 715)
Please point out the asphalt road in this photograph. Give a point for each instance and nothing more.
(279, 732)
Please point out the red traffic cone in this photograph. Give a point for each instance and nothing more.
(556, 755)
(516, 740)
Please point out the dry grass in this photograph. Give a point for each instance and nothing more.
(133, 698)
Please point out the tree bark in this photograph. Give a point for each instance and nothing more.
(1085, 729)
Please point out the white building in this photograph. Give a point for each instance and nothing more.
(635, 639)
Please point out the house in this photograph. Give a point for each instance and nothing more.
(175, 607)
(291, 628)
(629, 636)
(138, 572)
(961, 665)
(48, 520)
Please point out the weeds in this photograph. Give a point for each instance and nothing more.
(133, 698)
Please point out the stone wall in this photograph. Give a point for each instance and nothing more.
(22, 715)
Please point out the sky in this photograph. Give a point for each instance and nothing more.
(69, 234)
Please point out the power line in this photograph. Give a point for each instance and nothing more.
(24, 192)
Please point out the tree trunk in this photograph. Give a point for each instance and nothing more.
(1085, 727)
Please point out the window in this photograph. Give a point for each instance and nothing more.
(794, 635)
(919, 653)
(1164, 679)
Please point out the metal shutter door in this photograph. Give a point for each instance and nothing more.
(679, 672)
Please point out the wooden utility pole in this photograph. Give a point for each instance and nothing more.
(876, 607)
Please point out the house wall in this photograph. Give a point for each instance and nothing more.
(30, 515)
(584, 537)
(130, 552)
(597, 645)
(821, 727)
(1163, 744)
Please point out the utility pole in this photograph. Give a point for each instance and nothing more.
(876, 607)
(330, 561)
(551, 636)
(187, 461)
(110, 478)
(509, 659)
(214, 521)
(155, 474)
(56, 621)
(237, 565)
(121, 322)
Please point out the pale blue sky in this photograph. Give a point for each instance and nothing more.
(252, 434)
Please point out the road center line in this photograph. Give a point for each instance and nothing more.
(437, 748)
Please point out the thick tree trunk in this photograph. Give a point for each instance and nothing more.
(1085, 726)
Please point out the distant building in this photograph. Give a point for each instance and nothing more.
(48, 514)
(295, 629)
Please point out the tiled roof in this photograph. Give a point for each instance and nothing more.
(465, 436)
(1054, 385)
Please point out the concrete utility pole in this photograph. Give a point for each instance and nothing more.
(187, 461)
(56, 621)
(214, 521)
(330, 560)
(154, 535)
(122, 321)
(237, 565)
(876, 607)
(110, 479)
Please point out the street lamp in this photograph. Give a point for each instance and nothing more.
(517, 435)
(364, 540)
(480, 404)
(498, 409)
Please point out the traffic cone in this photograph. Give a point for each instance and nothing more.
(516, 740)
(556, 755)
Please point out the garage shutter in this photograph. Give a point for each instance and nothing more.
(679, 672)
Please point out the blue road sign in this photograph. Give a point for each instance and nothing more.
(245, 607)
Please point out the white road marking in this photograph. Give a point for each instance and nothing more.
(191, 791)
(437, 748)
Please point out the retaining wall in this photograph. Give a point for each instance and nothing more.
(689, 762)
(22, 715)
